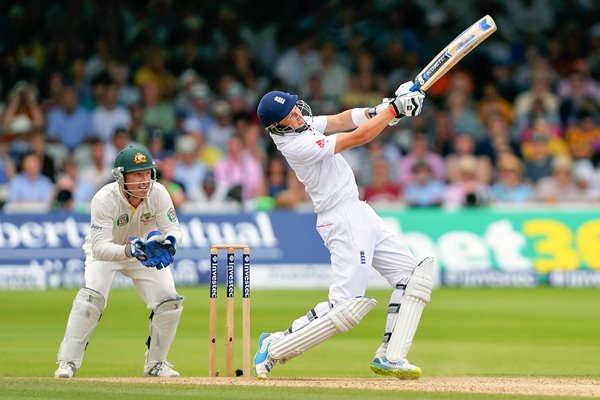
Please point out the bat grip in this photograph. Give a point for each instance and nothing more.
(414, 88)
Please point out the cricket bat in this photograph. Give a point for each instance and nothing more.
(454, 52)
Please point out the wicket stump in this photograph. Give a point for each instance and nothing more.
(230, 306)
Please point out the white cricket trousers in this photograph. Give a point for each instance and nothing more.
(358, 239)
(153, 285)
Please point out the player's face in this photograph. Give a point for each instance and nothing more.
(139, 183)
(294, 119)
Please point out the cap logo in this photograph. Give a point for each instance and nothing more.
(139, 158)
(279, 99)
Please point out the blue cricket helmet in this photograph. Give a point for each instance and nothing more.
(275, 106)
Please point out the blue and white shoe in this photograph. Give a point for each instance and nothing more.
(400, 369)
(263, 364)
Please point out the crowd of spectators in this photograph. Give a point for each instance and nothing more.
(516, 122)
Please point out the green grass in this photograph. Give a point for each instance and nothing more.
(495, 332)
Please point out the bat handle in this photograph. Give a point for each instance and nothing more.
(414, 88)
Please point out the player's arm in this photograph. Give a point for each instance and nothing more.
(409, 104)
(101, 233)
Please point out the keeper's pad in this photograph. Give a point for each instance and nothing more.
(417, 294)
(85, 314)
(163, 326)
(340, 318)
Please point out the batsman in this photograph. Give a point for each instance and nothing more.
(134, 230)
(356, 237)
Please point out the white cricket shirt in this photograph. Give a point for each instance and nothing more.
(328, 178)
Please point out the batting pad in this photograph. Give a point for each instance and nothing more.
(85, 314)
(163, 326)
(340, 318)
(416, 296)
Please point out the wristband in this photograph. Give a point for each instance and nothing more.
(359, 116)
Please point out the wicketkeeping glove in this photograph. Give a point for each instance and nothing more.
(160, 249)
(137, 248)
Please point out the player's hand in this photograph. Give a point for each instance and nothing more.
(384, 105)
(409, 104)
(137, 249)
(160, 249)
(403, 89)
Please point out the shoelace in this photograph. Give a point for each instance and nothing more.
(67, 364)
(269, 363)
(161, 366)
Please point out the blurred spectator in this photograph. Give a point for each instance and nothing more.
(183, 100)
(540, 129)
(47, 163)
(463, 114)
(468, 191)
(200, 118)
(538, 163)
(157, 144)
(154, 70)
(21, 117)
(240, 172)
(499, 140)
(219, 133)
(577, 91)
(537, 101)
(295, 196)
(166, 172)
(292, 62)
(425, 190)
(464, 147)
(582, 136)
(78, 81)
(419, 151)
(137, 127)
(376, 148)
(80, 188)
(508, 187)
(30, 186)
(492, 102)
(334, 76)
(120, 139)
(444, 133)
(276, 179)
(242, 66)
(96, 170)
(128, 93)
(109, 115)
(320, 103)
(381, 189)
(69, 123)
(189, 171)
(365, 86)
(7, 170)
(254, 142)
(560, 187)
(157, 113)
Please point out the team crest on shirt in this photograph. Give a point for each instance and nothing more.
(139, 158)
(122, 220)
(172, 215)
(146, 218)
(321, 143)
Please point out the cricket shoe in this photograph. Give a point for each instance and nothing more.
(66, 369)
(263, 363)
(400, 369)
(163, 369)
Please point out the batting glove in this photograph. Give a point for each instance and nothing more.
(409, 104)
